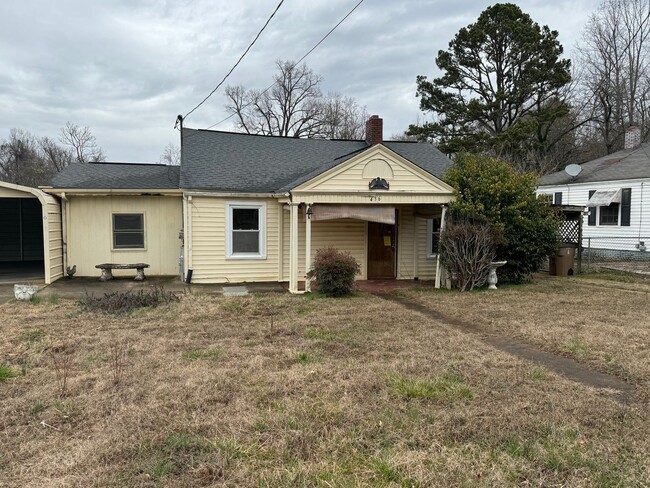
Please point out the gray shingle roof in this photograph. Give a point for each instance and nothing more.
(122, 176)
(236, 162)
(621, 165)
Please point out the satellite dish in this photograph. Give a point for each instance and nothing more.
(573, 170)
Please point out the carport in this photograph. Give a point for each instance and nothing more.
(31, 246)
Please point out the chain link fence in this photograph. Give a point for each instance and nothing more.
(630, 254)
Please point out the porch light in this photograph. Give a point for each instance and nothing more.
(310, 212)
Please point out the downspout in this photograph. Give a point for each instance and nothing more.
(188, 241)
(64, 230)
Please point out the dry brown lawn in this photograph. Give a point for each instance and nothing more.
(279, 390)
(602, 320)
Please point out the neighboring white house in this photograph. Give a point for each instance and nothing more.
(614, 191)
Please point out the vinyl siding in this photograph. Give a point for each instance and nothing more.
(208, 234)
(343, 234)
(350, 176)
(53, 240)
(578, 194)
(351, 235)
(90, 233)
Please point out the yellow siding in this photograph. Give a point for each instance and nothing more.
(90, 236)
(343, 234)
(426, 266)
(11, 193)
(53, 241)
(209, 262)
(412, 260)
(349, 176)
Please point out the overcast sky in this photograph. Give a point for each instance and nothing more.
(126, 68)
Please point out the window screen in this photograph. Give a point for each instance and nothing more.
(128, 231)
(433, 239)
(245, 230)
(609, 214)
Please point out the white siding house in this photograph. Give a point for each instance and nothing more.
(615, 192)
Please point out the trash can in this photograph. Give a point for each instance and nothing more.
(562, 263)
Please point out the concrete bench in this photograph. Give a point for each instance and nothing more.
(107, 270)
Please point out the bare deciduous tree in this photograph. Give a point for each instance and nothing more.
(171, 155)
(294, 107)
(82, 143)
(31, 161)
(615, 56)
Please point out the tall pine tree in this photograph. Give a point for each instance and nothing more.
(501, 87)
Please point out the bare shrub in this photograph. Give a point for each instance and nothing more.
(119, 350)
(466, 251)
(62, 357)
(125, 302)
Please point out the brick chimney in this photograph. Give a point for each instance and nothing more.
(632, 137)
(374, 130)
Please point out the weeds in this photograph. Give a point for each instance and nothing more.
(449, 387)
(36, 299)
(128, 301)
(198, 354)
(62, 357)
(6, 372)
(303, 358)
(578, 346)
(119, 350)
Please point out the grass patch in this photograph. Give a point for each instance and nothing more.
(208, 354)
(539, 373)
(578, 346)
(321, 334)
(32, 337)
(54, 299)
(36, 299)
(37, 407)
(447, 387)
(6, 372)
(303, 358)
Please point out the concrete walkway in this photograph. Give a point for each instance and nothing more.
(569, 368)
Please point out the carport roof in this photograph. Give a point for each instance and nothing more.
(120, 176)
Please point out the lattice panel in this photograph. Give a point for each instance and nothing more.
(569, 231)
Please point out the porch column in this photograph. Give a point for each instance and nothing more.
(307, 249)
(442, 228)
(293, 249)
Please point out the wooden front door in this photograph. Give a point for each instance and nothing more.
(382, 245)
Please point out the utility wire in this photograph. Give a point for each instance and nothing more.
(238, 61)
(300, 60)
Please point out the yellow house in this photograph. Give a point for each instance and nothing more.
(251, 208)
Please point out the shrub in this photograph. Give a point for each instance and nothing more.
(488, 188)
(125, 302)
(334, 271)
(466, 251)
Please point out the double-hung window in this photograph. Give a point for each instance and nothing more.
(245, 227)
(128, 231)
(433, 237)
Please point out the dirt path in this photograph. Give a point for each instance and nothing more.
(566, 367)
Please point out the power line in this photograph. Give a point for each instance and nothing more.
(238, 61)
(301, 59)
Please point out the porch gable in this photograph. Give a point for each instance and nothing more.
(354, 175)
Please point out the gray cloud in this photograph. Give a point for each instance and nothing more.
(127, 68)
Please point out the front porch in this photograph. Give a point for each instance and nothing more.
(392, 243)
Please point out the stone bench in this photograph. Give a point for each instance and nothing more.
(107, 270)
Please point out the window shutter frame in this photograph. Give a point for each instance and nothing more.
(591, 220)
(626, 206)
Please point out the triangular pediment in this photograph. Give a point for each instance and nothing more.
(378, 162)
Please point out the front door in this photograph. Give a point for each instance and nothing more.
(382, 244)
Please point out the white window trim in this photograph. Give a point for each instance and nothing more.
(618, 218)
(261, 206)
(144, 233)
(430, 255)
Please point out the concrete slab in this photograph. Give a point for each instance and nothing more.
(235, 291)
